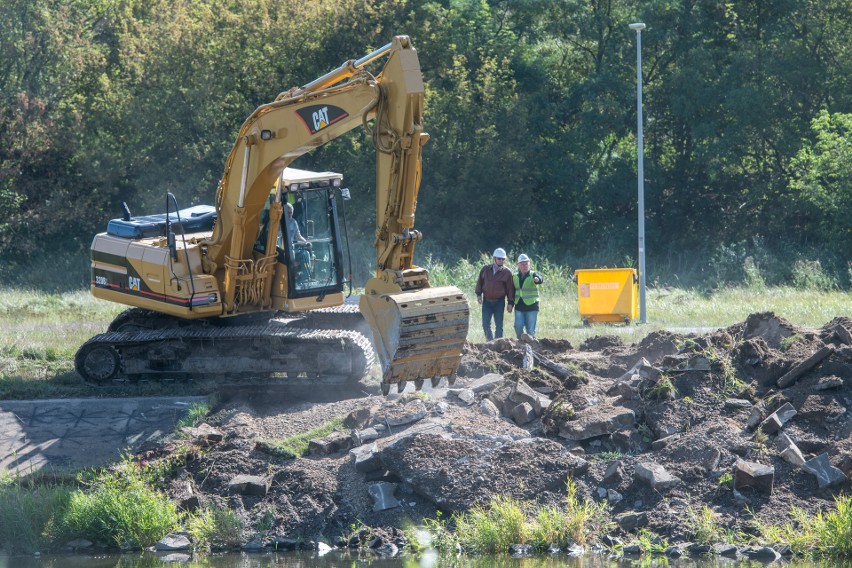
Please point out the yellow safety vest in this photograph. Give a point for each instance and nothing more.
(528, 293)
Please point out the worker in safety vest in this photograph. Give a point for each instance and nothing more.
(526, 297)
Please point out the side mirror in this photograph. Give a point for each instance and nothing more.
(344, 193)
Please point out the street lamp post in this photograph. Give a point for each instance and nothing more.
(638, 27)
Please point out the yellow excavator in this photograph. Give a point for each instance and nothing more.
(228, 290)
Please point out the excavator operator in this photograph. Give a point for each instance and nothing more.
(301, 246)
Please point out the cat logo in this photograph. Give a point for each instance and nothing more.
(133, 283)
(320, 117)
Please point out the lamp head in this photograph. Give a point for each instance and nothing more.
(638, 26)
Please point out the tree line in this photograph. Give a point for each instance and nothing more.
(531, 108)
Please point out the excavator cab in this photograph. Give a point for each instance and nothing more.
(309, 241)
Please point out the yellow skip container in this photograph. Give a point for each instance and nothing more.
(607, 294)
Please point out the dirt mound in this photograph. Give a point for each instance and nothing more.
(751, 417)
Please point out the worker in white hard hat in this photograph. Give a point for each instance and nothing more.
(526, 283)
(495, 292)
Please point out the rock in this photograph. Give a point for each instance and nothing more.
(281, 542)
(827, 475)
(614, 496)
(465, 395)
(764, 554)
(631, 521)
(386, 550)
(771, 425)
(394, 415)
(788, 450)
(597, 421)
(523, 414)
(331, 444)
(663, 442)
(204, 434)
(757, 476)
(173, 542)
(382, 494)
(633, 549)
(656, 476)
(366, 458)
(487, 383)
(755, 417)
(518, 550)
(455, 473)
(357, 419)
(361, 437)
(726, 550)
(488, 408)
(249, 485)
(737, 404)
(614, 472)
(710, 459)
(696, 549)
(826, 383)
(253, 546)
(521, 392)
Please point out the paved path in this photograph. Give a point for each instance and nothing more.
(71, 434)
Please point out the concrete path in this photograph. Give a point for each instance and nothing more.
(70, 434)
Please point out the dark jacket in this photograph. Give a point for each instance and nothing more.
(495, 286)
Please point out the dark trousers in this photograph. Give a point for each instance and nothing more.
(493, 309)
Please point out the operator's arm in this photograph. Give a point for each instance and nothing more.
(510, 292)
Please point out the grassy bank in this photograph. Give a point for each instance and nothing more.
(125, 507)
(40, 332)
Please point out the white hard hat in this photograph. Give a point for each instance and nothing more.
(523, 258)
(499, 253)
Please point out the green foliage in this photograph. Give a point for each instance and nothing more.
(702, 525)
(530, 108)
(29, 513)
(809, 275)
(726, 480)
(195, 413)
(119, 508)
(505, 521)
(297, 446)
(823, 534)
(214, 527)
(663, 389)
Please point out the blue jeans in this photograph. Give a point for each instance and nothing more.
(523, 319)
(493, 309)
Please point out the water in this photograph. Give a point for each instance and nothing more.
(354, 559)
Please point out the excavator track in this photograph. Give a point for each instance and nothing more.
(242, 352)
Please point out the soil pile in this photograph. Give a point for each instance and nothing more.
(749, 418)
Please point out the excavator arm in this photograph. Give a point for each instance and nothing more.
(418, 331)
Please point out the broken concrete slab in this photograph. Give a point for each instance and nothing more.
(754, 475)
(487, 383)
(827, 475)
(249, 485)
(656, 476)
(382, 493)
(594, 421)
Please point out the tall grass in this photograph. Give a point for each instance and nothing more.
(493, 528)
(29, 513)
(822, 534)
(122, 509)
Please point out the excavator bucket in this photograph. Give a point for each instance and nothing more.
(417, 334)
